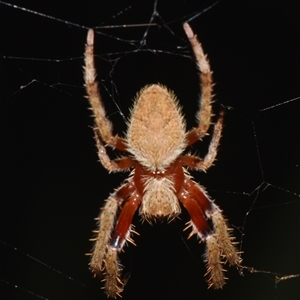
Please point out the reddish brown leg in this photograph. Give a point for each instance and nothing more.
(190, 161)
(109, 241)
(120, 143)
(113, 283)
(197, 205)
(198, 220)
(219, 244)
(106, 221)
(199, 194)
(122, 230)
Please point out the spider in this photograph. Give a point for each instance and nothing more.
(155, 141)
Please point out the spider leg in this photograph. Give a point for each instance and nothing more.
(197, 163)
(113, 284)
(121, 164)
(198, 220)
(205, 112)
(110, 241)
(219, 244)
(94, 97)
(213, 212)
(201, 227)
(106, 221)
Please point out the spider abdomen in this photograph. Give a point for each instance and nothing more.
(159, 199)
(156, 131)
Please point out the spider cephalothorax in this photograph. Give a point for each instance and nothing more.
(159, 181)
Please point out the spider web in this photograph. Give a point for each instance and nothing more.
(52, 185)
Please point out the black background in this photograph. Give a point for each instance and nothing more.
(52, 185)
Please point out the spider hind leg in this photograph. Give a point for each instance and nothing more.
(112, 236)
(219, 243)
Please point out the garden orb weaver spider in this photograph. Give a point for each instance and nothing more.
(155, 141)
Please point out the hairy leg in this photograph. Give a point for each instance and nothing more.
(121, 164)
(106, 223)
(92, 88)
(219, 243)
(114, 231)
(204, 164)
(121, 234)
(205, 111)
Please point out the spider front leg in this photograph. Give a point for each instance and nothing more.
(205, 112)
(92, 88)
